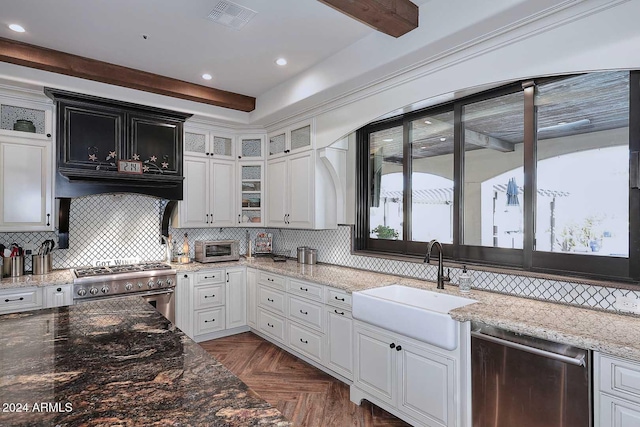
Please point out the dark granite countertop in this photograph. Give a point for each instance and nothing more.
(116, 362)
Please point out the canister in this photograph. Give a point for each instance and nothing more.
(42, 264)
(311, 256)
(12, 266)
(302, 250)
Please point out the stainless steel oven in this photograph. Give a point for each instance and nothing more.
(163, 301)
(217, 250)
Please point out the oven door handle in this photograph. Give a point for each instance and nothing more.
(152, 293)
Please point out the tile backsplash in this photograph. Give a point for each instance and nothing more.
(117, 226)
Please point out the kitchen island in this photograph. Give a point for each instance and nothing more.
(116, 362)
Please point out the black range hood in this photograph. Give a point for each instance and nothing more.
(107, 146)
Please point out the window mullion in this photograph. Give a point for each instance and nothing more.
(406, 174)
(530, 159)
(458, 180)
(634, 193)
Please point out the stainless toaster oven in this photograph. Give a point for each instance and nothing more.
(217, 250)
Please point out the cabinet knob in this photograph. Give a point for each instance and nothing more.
(48, 135)
(206, 154)
(239, 157)
(398, 348)
(185, 276)
(59, 290)
(392, 345)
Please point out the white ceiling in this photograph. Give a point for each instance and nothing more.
(183, 44)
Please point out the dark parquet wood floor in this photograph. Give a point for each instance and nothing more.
(305, 395)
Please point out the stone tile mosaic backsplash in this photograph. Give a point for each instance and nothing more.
(117, 226)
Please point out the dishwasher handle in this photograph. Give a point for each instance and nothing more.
(577, 361)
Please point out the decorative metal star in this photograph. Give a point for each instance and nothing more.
(112, 154)
(92, 157)
(153, 158)
(165, 165)
(136, 157)
(145, 168)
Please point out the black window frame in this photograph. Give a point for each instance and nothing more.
(593, 267)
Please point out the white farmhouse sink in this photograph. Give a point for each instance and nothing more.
(416, 313)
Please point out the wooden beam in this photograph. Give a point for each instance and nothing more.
(486, 141)
(55, 61)
(393, 17)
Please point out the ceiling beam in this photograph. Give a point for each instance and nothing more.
(486, 141)
(392, 17)
(55, 61)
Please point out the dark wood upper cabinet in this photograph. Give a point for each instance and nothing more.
(93, 134)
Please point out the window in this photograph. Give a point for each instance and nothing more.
(533, 175)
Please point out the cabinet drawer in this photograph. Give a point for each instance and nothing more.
(20, 300)
(271, 324)
(206, 321)
(208, 296)
(213, 276)
(620, 378)
(271, 299)
(272, 280)
(338, 297)
(307, 312)
(305, 289)
(617, 412)
(306, 342)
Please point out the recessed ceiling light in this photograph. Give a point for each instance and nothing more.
(17, 28)
(388, 140)
(427, 122)
(281, 61)
(207, 76)
(443, 139)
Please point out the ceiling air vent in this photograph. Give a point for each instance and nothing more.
(231, 15)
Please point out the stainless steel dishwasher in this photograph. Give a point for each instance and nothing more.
(521, 381)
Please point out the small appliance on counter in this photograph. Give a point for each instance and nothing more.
(217, 250)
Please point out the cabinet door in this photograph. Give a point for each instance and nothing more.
(92, 136)
(426, 386)
(277, 144)
(616, 412)
(194, 208)
(301, 189)
(300, 137)
(222, 146)
(58, 296)
(252, 298)
(222, 185)
(339, 356)
(236, 299)
(25, 185)
(196, 142)
(251, 147)
(277, 190)
(251, 193)
(157, 142)
(184, 304)
(375, 364)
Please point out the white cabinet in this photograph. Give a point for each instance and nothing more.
(290, 183)
(339, 356)
(251, 147)
(616, 391)
(211, 303)
(209, 194)
(58, 296)
(236, 298)
(252, 302)
(26, 190)
(295, 138)
(20, 299)
(206, 143)
(415, 381)
(251, 200)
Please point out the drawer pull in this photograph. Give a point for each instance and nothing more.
(341, 313)
(304, 312)
(270, 280)
(304, 341)
(269, 325)
(339, 299)
(209, 277)
(304, 289)
(16, 299)
(269, 299)
(210, 296)
(208, 321)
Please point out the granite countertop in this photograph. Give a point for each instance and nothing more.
(116, 362)
(609, 332)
